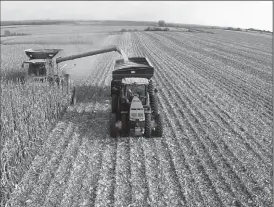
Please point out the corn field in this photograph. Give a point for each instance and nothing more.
(28, 112)
(215, 96)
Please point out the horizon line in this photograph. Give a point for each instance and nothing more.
(151, 21)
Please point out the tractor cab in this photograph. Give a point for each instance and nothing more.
(135, 87)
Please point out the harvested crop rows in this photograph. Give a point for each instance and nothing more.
(215, 95)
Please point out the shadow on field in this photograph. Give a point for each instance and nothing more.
(89, 119)
(93, 93)
(94, 123)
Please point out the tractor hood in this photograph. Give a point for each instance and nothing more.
(136, 110)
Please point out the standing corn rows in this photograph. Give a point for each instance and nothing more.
(27, 114)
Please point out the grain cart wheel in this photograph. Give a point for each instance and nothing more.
(114, 103)
(159, 125)
(150, 88)
(112, 128)
(153, 104)
(125, 125)
(74, 95)
(67, 82)
(148, 125)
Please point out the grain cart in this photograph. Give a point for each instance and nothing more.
(134, 104)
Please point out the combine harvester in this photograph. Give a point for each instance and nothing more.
(134, 110)
(42, 67)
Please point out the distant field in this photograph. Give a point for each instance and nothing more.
(215, 95)
(71, 29)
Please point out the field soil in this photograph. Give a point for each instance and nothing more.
(215, 96)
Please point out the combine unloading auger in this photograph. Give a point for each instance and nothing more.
(95, 52)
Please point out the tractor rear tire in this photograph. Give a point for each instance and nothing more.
(159, 125)
(147, 125)
(152, 98)
(114, 103)
(112, 128)
(74, 96)
(153, 104)
(150, 88)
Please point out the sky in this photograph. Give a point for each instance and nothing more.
(243, 14)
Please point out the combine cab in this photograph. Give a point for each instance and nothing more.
(134, 105)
